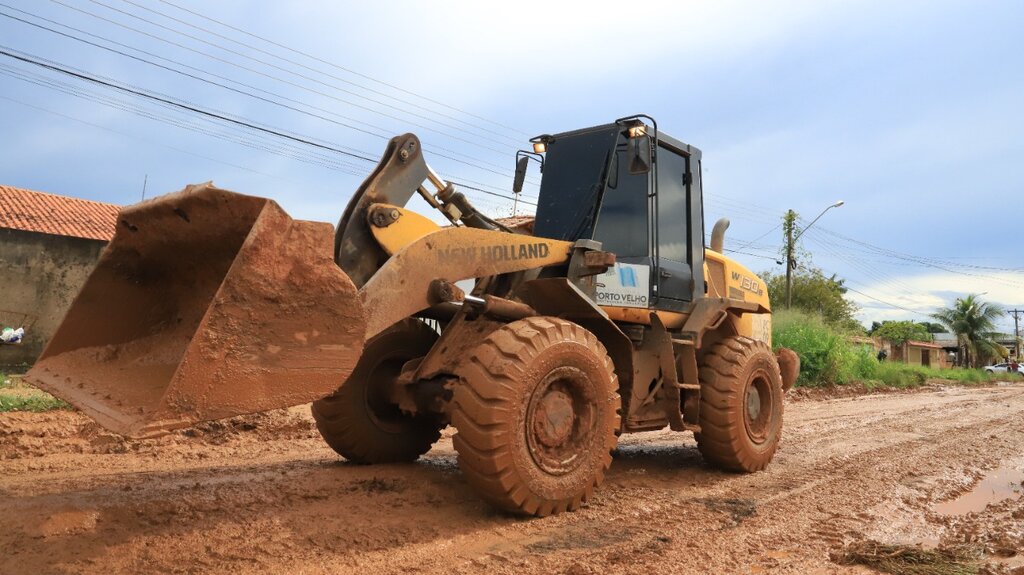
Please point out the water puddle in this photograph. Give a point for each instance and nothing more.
(998, 485)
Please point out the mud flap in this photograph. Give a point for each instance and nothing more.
(206, 304)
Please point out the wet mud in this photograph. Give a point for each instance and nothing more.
(263, 494)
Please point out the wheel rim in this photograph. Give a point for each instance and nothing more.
(386, 415)
(757, 408)
(560, 420)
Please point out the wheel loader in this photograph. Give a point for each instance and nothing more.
(540, 344)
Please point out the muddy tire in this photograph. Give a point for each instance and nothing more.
(536, 409)
(358, 421)
(740, 405)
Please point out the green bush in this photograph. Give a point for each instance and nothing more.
(828, 358)
(825, 354)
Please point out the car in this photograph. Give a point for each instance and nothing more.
(1002, 368)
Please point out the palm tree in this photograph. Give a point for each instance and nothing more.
(974, 323)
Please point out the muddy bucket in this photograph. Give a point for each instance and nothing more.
(207, 304)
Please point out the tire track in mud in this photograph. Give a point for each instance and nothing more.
(255, 502)
(833, 477)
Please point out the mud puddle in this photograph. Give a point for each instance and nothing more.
(998, 485)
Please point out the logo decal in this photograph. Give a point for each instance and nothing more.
(627, 277)
(624, 285)
(748, 283)
(500, 253)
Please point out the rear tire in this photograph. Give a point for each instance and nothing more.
(536, 409)
(358, 421)
(741, 405)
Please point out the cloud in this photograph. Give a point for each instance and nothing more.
(926, 293)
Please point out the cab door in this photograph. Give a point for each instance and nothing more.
(673, 283)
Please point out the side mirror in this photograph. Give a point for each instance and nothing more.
(517, 183)
(640, 155)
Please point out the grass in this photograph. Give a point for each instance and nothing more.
(15, 396)
(33, 403)
(912, 559)
(828, 358)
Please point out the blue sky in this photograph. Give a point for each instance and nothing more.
(911, 112)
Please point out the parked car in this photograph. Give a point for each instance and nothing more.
(1002, 368)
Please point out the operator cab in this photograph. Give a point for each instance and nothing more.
(638, 192)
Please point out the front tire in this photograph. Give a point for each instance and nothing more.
(359, 422)
(536, 409)
(741, 405)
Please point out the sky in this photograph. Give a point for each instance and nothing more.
(912, 113)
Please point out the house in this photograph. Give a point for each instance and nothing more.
(1010, 342)
(950, 346)
(923, 353)
(48, 246)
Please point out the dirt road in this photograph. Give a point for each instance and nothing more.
(266, 495)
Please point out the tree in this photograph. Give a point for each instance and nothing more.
(932, 327)
(899, 332)
(974, 323)
(814, 293)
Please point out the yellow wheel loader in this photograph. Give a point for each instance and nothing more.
(540, 344)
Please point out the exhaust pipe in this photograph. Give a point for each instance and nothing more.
(718, 234)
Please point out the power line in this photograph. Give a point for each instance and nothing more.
(468, 187)
(925, 260)
(450, 155)
(245, 140)
(174, 70)
(760, 237)
(936, 264)
(285, 70)
(318, 71)
(865, 247)
(191, 108)
(775, 259)
(6, 51)
(879, 300)
(125, 134)
(339, 67)
(869, 271)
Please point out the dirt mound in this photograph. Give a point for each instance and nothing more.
(290, 423)
(64, 432)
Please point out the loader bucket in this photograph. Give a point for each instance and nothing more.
(206, 304)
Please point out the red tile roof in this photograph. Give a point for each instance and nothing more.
(31, 211)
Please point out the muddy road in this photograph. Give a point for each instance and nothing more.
(264, 494)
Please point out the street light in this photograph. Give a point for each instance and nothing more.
(790, 263)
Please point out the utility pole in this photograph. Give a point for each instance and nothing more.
(788, 222)
(1016, 331)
